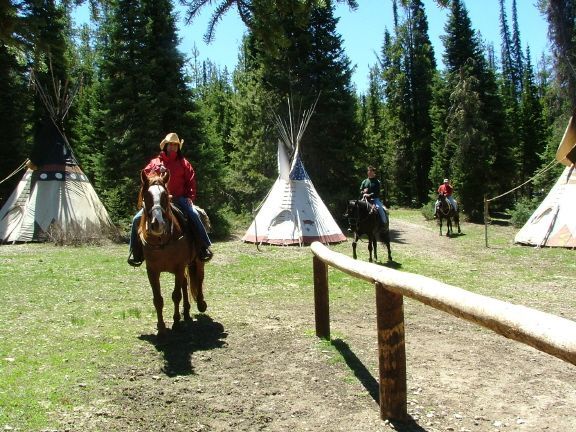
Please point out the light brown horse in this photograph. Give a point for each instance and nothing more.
(168, 248)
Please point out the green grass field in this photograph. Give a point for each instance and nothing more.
(70, 313)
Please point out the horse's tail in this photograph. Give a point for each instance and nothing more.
(195, 278)
(384, 233)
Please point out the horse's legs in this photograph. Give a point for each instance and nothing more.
(386, 241)
(375, 246)
(370, 246)
(440, 223)
(179, 282)
(186, 300)
(354, 242)
(457, 220)
(448, 226)
(154, 279)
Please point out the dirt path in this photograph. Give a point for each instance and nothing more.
(260, 370)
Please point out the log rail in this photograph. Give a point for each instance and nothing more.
(545, 332)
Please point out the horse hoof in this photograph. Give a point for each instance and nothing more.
(202, 306)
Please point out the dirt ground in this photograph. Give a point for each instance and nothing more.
(257, 370)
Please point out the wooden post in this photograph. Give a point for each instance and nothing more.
(321, 303)
(486, 220)
(391, 354)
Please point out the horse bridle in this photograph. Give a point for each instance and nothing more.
(357, 211)
(166, 215)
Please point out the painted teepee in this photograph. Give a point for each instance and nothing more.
(55, 200)
(293, 212)
(553, 223)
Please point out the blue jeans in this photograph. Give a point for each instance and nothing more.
(193, 216)
(381, 209)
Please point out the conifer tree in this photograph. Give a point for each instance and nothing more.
(534, 132)
(144, 97)
(464, 60)
(408, 71)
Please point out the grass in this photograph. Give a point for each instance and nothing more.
(70, 313)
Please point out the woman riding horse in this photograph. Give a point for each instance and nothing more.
(167, 248)
(183, 189)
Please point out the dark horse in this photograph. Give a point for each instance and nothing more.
(364, 219)
(168, 248)
(446, 211)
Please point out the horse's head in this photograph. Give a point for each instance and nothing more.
(351, 209)
(156, 202)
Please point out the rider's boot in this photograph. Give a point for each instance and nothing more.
(136, 255)
(205, 254)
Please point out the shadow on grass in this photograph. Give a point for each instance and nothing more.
(371, 384)
(179, 344)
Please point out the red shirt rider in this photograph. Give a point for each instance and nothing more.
(182, 181)
(445, 188)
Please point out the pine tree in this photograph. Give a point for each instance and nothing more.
(467, 144)
(464, 60)
(144, 97)
(408, 71)
(308, 60)
(533, 127)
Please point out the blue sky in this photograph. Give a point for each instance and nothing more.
(363, 31)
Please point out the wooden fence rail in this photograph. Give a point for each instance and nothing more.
(545, 332)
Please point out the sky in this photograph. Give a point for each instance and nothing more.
(362, 32)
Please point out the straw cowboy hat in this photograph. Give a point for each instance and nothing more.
(171, 138)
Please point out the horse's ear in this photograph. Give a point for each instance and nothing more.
(143, 177)
(166, 176)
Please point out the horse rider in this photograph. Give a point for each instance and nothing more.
(446, 189)
(182, 187)
(370, 191)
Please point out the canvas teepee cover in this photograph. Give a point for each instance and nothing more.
(554, 221)
(55, 200)
(293, 212)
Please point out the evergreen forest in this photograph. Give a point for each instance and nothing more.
(489, 118)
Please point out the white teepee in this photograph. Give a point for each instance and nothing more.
(553, 223)
(56, 200)
(293, 212)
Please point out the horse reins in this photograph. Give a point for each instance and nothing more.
(169, 217)
(357, 218)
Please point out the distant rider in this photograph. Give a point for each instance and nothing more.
(446, 189)
(370, 191)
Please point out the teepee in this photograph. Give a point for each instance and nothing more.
(293, 212)
(55, 200)
(553, 223)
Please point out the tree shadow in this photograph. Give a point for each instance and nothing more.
(371, 384)
(178, 345)
(396, 237)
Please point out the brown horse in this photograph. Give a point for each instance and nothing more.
(446, 211)
(168, 248)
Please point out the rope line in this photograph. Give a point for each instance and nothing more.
(546, 168)
(13, 173)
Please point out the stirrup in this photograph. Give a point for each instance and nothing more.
(205, 254)
(134, 262)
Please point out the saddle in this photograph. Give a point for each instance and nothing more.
(185, 223)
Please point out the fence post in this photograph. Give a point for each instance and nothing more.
(391, 354)
(321, 303)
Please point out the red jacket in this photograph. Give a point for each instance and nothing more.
(445, 189)
(182, 175)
